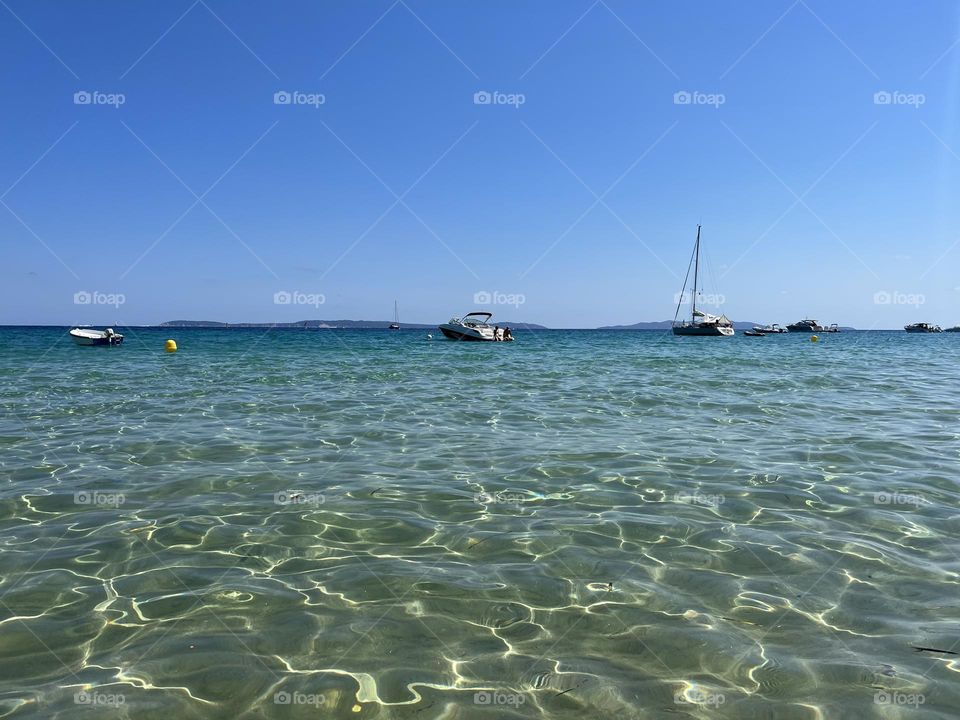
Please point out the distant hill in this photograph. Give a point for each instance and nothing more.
(326, 324)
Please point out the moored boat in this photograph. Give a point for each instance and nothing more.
(475, 327)
(395, 325)
(754, 333)
(922, 327)
(806, 326)
(700, 323)
(770, 329)
(89, 336)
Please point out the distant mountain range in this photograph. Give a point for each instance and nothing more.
(328, 324)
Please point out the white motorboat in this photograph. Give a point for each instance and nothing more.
(700, 323)
(89, 336)
(922, 327)
(475, 326)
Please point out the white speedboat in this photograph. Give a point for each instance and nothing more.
(475, 326)
(89, 336)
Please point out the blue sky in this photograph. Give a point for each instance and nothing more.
(182, 190)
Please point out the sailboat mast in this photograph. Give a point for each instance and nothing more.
(696, 270)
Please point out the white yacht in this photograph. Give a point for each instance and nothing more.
(475, 326)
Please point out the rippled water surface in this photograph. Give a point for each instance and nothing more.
(365, 524)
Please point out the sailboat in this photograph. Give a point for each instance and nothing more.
(700, 323)
(395, 325)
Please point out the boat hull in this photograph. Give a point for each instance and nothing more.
(703, 330)
(462, 333)
(93, 338)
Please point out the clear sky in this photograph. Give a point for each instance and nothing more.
(148, 162)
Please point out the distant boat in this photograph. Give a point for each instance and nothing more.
(754, 333)
(700, 323)
(833, 328)
(395, 325)
(806, 326)
(770, 329)
(922, 327)
(88, 336)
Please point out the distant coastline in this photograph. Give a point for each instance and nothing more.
(382, 324)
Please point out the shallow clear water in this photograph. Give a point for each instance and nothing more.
(365, 524)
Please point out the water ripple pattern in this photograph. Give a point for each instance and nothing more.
(363, 524)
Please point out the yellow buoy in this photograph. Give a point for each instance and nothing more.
(814, 338)
(171, 346)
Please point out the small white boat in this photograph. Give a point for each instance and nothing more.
(475, 326)
(770, 329)
(89, 336)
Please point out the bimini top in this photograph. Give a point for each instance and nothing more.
(484, 315)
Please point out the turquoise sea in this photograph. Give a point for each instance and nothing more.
(583, 524)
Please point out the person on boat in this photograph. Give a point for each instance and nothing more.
(507, 335)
